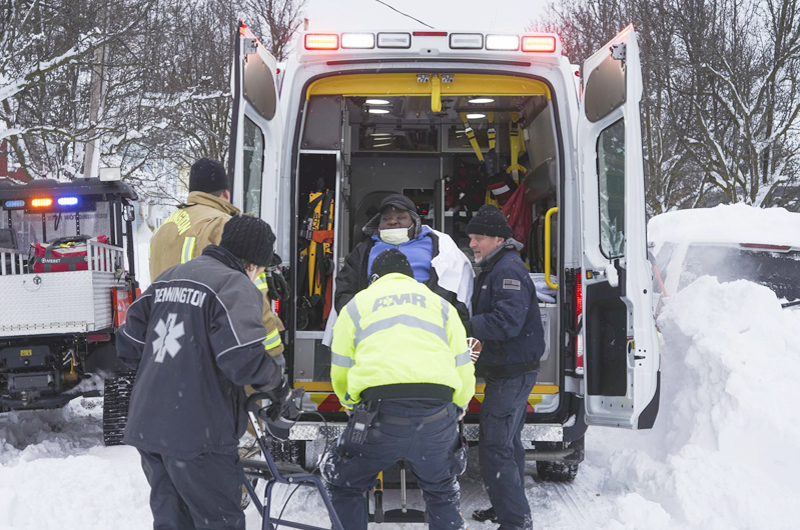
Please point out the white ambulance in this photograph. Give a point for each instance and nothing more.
(357, 116)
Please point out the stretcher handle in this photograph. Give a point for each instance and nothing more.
(547, 230)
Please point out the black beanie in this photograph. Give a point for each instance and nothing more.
(208, 175)
(489, 221)
(250, 239)
(398, 201)
(389, 261)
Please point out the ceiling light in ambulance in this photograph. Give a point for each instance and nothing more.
(466, 41)
(67, 201)
(475, 116)
(394, 40)
(12, 205)
(541, 44)
(322, 42)
(363, 41)
(41, 203)
(502, 42)
(378, 111)
(478, 101)
(377, 102)
(381, 134)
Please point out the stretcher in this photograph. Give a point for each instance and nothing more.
(267, 470)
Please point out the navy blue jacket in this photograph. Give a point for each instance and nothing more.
(506, 316)
(195, 337)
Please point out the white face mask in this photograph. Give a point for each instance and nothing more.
(394, 236)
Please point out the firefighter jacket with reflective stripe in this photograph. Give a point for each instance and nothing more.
(187, 232)
(195, 337)
(399, 331)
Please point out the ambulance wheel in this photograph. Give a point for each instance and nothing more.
(557, 471)
(116, 398)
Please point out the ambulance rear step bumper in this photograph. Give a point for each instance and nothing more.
(308, 431)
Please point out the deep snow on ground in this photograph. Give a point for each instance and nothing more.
(723, 453)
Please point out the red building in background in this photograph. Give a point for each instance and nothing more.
(18, 174)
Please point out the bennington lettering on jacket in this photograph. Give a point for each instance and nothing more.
(182, 295)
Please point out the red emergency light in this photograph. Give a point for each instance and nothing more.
(322, 42)
(430, 34)
(540, 44)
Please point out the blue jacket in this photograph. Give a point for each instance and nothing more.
(419, 252)
(506, 316)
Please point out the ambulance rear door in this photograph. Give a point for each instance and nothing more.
(622, 378)
(256, 128)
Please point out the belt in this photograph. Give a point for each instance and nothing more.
(408, 390)
(406, 420)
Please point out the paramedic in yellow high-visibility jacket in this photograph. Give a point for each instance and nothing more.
(402, 369)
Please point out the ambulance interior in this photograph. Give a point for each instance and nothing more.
(362, 148)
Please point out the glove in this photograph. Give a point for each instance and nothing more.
(278, 287)
(283, 412)
(475, 348)
(278, 393)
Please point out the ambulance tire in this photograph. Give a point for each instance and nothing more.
(557, 471)
(116, 398)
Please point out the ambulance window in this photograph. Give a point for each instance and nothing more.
(611, 187)
(253, 167)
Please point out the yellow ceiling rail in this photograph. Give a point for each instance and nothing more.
(407, 84)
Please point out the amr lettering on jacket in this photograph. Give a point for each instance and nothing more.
(399, 299)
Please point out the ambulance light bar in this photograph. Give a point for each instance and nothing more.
(502, 42)
(394, 40)
(457, 41)
(364, 41)
(68, 201)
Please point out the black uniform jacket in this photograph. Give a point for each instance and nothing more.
(506, 317)
(195, 337)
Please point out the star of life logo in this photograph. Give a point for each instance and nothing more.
(168, 334)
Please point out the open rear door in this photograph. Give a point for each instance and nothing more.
(256, 129)
(622, 359)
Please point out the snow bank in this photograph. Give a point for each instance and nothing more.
(724, 451)
(727, 223)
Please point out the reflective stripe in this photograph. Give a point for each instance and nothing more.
(463, 358)
(188, 249)
(355, 316)
(406, 320)
(261, 282)
(273, 340)
(445, 313)
(341, 360)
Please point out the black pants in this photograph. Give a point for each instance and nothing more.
(203, 493)
(432, 450)
(502, 455)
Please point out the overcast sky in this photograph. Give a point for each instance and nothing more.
(484, 15)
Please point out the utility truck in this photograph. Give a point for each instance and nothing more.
(67, 277)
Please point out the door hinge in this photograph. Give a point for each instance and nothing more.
(250, 46)
(619, 51)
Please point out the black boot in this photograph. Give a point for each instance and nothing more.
(485, 515)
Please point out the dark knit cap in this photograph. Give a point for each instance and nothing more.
(208, 175)
(489, 221)
(389, 261)
(400, 202)
(250, 239)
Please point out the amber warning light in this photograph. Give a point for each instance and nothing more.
(40, 203)
(322, 42)
(541, 44)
